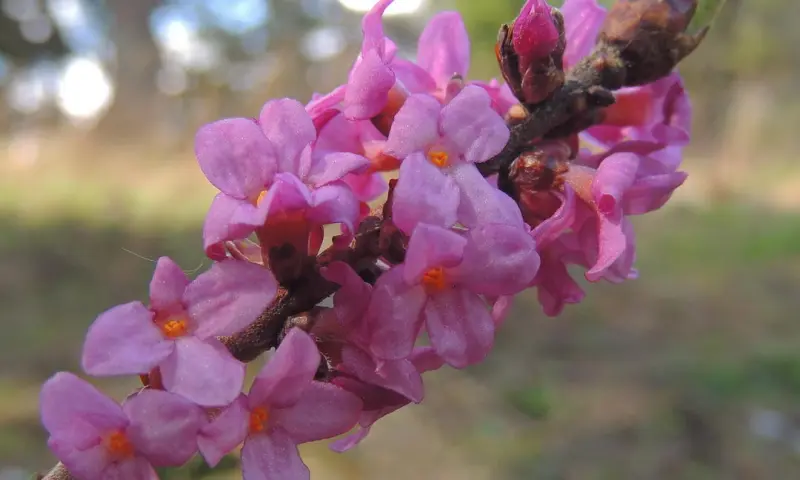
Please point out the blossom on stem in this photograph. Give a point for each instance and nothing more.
(177, 332)
(440, 285)
(285, 407)
(271, 178)
(97, 439)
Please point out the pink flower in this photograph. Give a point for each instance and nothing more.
(380, 401)
(285, 407)
(443, 53)
(623, 183)
(344, 335)
(582, 22)
(464, 130)
(96, 439)
(177, 332)
(270, 176)
(440, 284)
(362, 138)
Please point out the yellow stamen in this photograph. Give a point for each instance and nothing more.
(259, 417)
(434, 279)
(258, 198)
(174, 326)
(119, 445)
(439, 158)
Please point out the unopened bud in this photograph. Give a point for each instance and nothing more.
(530, 52)
(651, 36)
(534, 33)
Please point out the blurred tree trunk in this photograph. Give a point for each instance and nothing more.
(136, 97)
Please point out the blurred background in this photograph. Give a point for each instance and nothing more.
(690, 372)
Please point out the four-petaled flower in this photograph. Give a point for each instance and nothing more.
(177, 333)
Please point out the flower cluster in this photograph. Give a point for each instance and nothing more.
(452, 248)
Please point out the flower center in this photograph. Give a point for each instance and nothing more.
(434, 280)
(439, 158)
(256, 200)
(174, 326)
(119, 445)
(259, 417)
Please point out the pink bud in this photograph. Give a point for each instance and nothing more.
(534, 32)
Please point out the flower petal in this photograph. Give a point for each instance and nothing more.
(470, 123)
(555, 287)
(431, 247)
(288, 372)
(368, 87)
(366, 187)
(228, 297)
(124, 341)
(394, 316)
(444, 47)
(352, 299)
(235, 156)
(424, 195)
(168, 283)
(163, 426)
(481, 202)
(582, 22)
(460, 327)
(334, 204)
(397, 375)
(561, 221)
(323, 411)
(651, 193)
(425, 359)
(610, 240)
(90, 462)
(288, 127)
(136, 468)
(228, 218)
(203, 371)
(372, 27)
(273, 456)
(415, 127)
(414, 78)
(73, 409)
(498, 260)
(329, 167)
(614, 176)
(227, 430)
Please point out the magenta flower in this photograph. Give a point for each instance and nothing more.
(285, 407)
(270, 176)
(624, 183)
(583, 20)
(465, 130)
(345, 335)
(534, 34)
(362, 138)
(177, 332)
(443, 53)
(441, 283)
(380, 401)
(96, 439)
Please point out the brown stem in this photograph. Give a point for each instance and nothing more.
(587, 89)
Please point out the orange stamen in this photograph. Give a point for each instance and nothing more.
(119, 445)
(434, 279)
(439, 158)
(259, 417)
(174, 326)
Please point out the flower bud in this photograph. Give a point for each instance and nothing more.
(650, 36)
(534, 33)
(530, 52)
